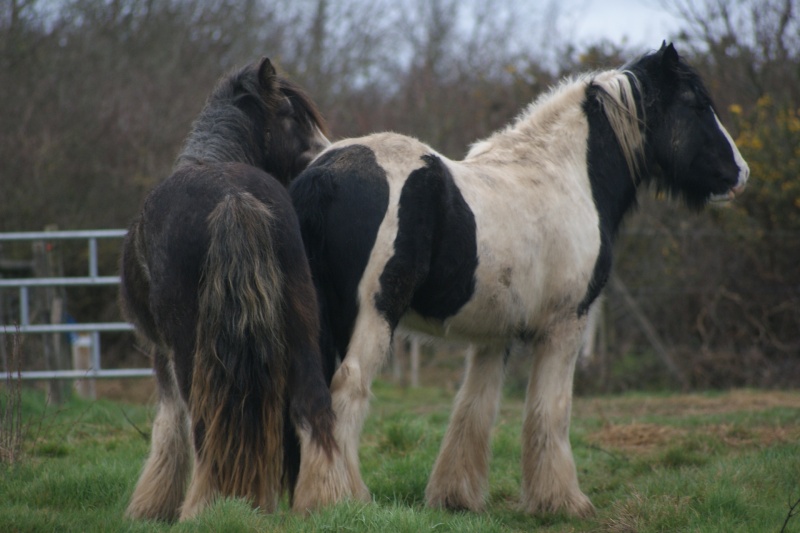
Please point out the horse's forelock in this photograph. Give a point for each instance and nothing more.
(616, 95)
(683, 73)
(247, 81)
(303, 104)
(691, 77)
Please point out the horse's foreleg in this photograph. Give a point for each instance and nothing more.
(460, 475)
(350, 390)
(549, 478)
(161, 486)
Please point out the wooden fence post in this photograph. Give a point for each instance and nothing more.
(82, 360)
(414, 356)
(50, 303)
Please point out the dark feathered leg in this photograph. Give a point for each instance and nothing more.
(162, 484)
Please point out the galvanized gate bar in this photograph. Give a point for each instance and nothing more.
(58, 282)
(60, 235)
(93, 279)
(66, 328)
(80, 374)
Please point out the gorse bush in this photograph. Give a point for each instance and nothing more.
(769, 137)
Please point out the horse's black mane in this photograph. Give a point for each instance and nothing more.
(234, 120)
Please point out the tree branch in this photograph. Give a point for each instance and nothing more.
(793, 510)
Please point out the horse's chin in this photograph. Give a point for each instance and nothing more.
(721, 199)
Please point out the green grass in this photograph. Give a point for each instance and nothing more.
(727, 462)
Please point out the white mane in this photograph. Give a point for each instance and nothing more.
(616, 97)
(620, 109)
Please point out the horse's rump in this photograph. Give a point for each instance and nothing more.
(330, 201)
(135, 283)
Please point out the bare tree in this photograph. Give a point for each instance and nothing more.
(750, 46)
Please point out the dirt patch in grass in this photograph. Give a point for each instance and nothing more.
(735, 401)
(644, 438)
(737, 437)
(687, 404)
(636, 437)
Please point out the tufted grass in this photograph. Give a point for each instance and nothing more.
(702, 462)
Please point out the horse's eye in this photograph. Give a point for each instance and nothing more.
(701, 108)
(695, 104)
(286, 108)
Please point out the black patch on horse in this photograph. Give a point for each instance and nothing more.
(340, 183)
(435, 250)
(608, 175)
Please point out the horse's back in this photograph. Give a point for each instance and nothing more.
(176, 212)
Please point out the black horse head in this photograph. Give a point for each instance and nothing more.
(257, 117)
(695, 157)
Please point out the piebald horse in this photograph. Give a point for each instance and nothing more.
(511, 245)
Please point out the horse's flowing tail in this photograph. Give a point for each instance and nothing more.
(239, 380)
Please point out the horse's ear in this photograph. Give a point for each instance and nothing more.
(669, 57)
(266, 72)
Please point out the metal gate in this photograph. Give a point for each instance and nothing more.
(23, 325)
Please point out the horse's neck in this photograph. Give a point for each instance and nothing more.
(218, 137)
(215, 149)
(558, 130)
(551, 127)
(533, 141)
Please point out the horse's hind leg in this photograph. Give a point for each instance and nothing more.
(161, 486)
(202, 488)
(318, 476)
(549, 478)
(322, 478)
(350, 389)
(460, 475)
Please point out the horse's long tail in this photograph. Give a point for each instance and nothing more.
(239, 380)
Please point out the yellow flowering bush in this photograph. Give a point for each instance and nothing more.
(769, 139)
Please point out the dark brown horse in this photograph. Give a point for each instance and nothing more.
(214, 274)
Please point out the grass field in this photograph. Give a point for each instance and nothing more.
(721, 462)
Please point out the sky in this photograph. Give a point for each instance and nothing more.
(635, 22)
